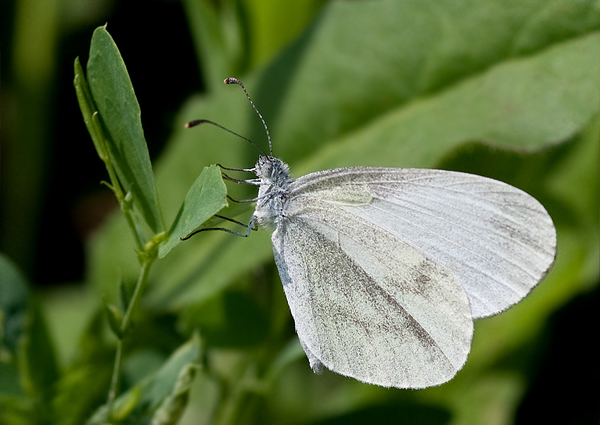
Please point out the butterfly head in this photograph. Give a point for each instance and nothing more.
(272, 171)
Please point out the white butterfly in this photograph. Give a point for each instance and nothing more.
(384, 269)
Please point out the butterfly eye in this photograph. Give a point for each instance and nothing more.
(264, 168)
(268, 169)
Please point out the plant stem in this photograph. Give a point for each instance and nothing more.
(139, 289)
(118, 191)
(112, 392)
(131, 223)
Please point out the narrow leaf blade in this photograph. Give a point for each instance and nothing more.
(120, 114)
(204, 199)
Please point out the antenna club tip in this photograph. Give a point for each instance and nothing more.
(194, 123)
(233, 80)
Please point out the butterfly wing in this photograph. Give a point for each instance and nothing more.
(497, 240)
(366, 304)
(384, 269)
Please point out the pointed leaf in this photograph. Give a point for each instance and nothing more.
(175, 403)
(14, 297)
(204, 199)
(37, 359)
(119, 110)
(24, 340)
(88, 110)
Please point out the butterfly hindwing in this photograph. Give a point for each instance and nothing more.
(367, 305)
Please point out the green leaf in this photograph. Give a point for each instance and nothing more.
(175, 403)
(26, 349)
(159, 392)
(274, 24)
(93, 363)
(125, 405)
(232, 320)
(89, 111)
(226, 45)
(14, 297)
(204, 199)
(518, 105)
(37, 370)
(37, 360)
(15, 407)
(119, 111)
(211, 38)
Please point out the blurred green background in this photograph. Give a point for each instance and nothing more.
(507, 89)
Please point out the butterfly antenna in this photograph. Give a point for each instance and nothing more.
(232, 80)
(194, 123)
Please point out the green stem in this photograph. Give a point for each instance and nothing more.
(112, 392)
(118, 191)
(136, 235)
(100, 142)
(139, 289)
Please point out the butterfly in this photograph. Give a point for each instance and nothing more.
(385, 269)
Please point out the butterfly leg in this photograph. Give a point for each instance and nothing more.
(249, 228)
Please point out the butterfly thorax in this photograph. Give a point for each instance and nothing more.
(273, 191)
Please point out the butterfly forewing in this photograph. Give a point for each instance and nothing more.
(497, 240)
